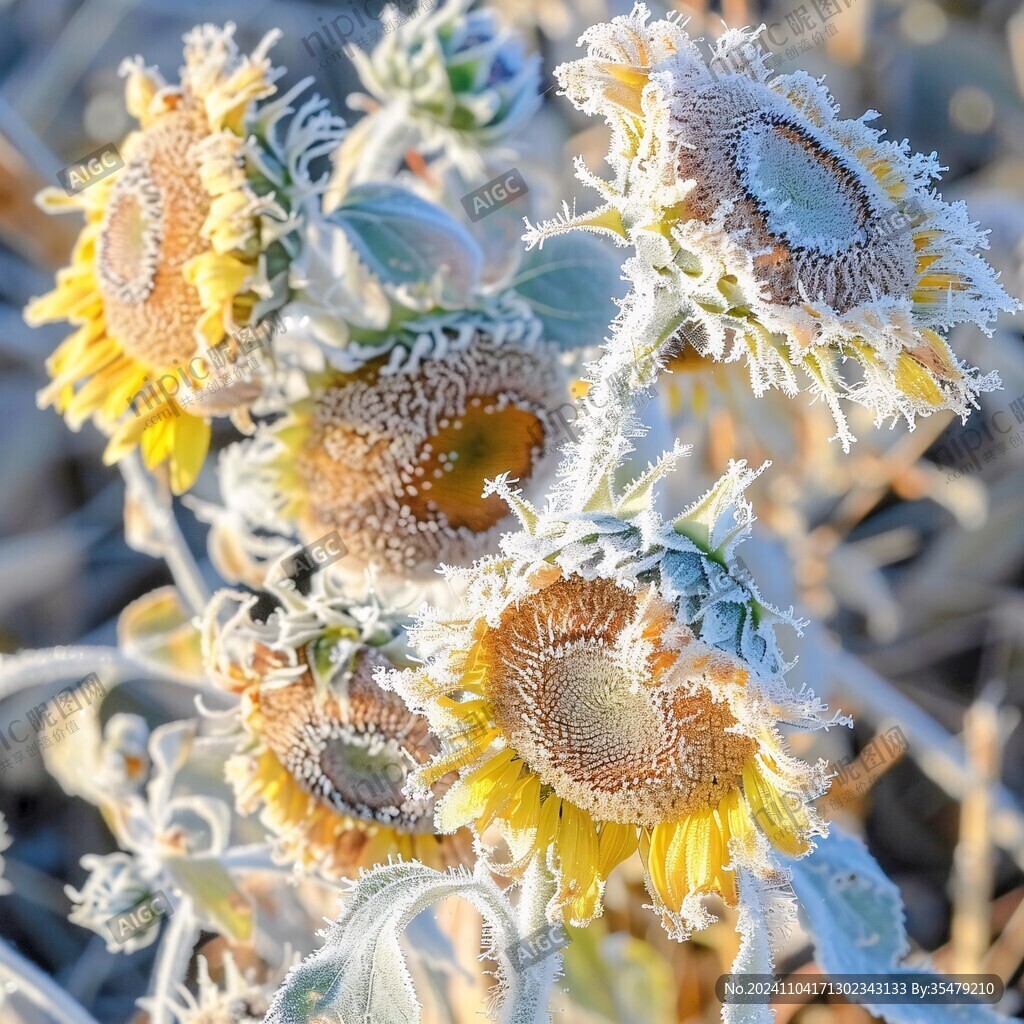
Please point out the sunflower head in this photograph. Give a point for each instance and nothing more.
(587, 722)
(180, 247)
(396, 460)
(779, 232)
(324, 752)
(611, 683)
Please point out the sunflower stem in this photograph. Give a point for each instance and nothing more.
(172, 961)
(535, 893)
(167, 535)
(41, 990)
(54, 665)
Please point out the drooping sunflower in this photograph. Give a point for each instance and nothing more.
(606, 686)
(185, 243)
(324, 752)
(769, 229)
(396, 459)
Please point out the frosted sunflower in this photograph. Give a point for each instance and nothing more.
(324, 752)
(767, 228)
(395, 457)
(189, 240)
(590, 697)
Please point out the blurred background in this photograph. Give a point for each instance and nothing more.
(908, 554)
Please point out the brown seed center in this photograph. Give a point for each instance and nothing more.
(152, 228)
(583, 689)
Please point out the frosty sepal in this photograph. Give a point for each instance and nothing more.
(857, 922)
(618, 534)
(410, 244)
(360, 972)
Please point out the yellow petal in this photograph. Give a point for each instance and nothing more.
(667, 872)
(616, 844)
(157, 442)
(468, 796)
(191, 443)
(523, 811)
(916, 382)
(783, 820)
(578, 880)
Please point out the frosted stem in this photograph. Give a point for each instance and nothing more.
(56, 665)
(175, 552)
(40, 989)
(531, 916)
(172, 961)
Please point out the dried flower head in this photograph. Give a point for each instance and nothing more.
(323, 752)
(180, 246)
(769, 229)
(396, 459)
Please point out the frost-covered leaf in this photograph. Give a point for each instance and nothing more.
(360, 973)
(571, 284)
(857, 921)
(158, 628)
(215, 894)
(408, 242)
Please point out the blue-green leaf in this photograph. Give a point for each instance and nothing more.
(856, 918)
(408, 242)
(571, 285)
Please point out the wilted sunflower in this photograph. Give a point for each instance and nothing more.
(591, 693)
(325, 752)
(396, 460)
(769, 229)
(184, 243)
